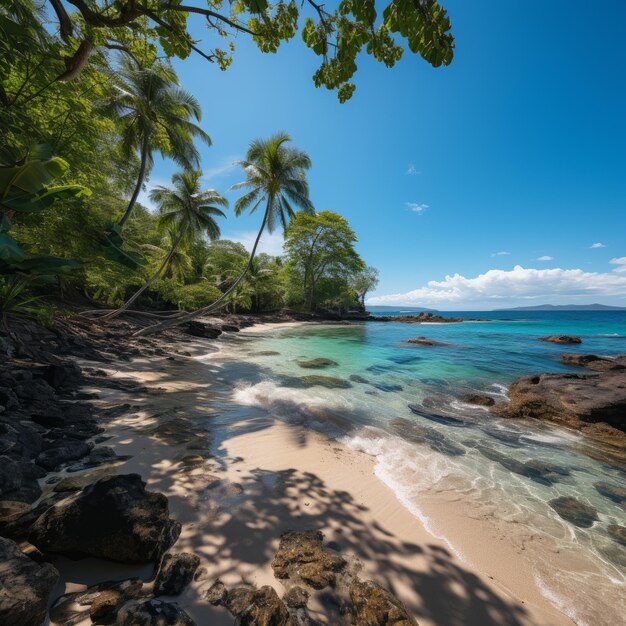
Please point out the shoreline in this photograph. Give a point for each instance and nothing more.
(274, 451)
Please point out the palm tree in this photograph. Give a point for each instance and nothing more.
(276, 175)
(155, 114)
(187, 212)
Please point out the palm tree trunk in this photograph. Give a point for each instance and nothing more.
(220, 301)
(142, 174)
(154, 276)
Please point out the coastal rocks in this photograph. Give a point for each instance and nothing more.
(100, 602)
(388, 387)
(114, 518)
(446, 420)
(229, 328)
(257, 607)
(319, 363)
(199, 329)
(478, 399)
(428, 436)
(374, 606)
(538, 471)
(617, 533)
(302, 557)
(153, 613)
(216, 593)
(355, 378)
(569, 398)
(296, 598)
(425, 341)
(63, 451)
(430, 318)
(24, 586)
(330, 382)
(593, 362)
(562, 339)
(574, 511)
(613, 492)
(18, 480)
(175, 573)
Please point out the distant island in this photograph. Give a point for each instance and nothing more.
(567, 307)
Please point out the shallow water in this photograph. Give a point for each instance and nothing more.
(505, 472)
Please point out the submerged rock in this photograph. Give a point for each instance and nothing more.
(114, 518)
(24, 586)
(446, 420)
(374, 606)
(153, 613)
(355, 378)
(617, 533)
(425, 341)
(318, 363)
(574, 511)
(388, 387)
(479, 399)
(563, 339)
(613, 492)
(100, 602)
(267, 353)
(330, 382)
(257, 607)
(302, 557)
(175, 573)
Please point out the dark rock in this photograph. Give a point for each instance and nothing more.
(24, 586)
(405, 359)
(230, 328)
(613, 492)
(593, 362)
(329, 382)
(216, 593)
(446, 420)
(302, 557)
(100, 602)
(199, 329)
(296, 598)
(561, 339)
(538, 471)
(63, 376)
(425, 341)
(267, 353)
(103, 455)
(63, 452)
(114, 518)
(355, 378)
(318, 363)
(479, 399)
(257, 607)
(574, 511)
(374, 606)
(18, 480)
(617, 533)
(175, 573)
(153, 613)
(425, 316)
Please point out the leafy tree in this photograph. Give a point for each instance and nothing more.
(276, 175)
(188, 212)
(363, 282)
(320, 246)
(337, 36)
(156, 114)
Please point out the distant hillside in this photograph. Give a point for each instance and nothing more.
(567, 307)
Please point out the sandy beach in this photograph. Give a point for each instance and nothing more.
(236, 488)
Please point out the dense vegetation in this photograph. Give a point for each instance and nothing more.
(88, 98)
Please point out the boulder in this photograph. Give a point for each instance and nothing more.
(199, 329)
(563, 339)
(302, 557)
(175, 573)
(296, 598)
(216, 593)
(114, 518)
(63, 451)
(153, 613)
(424, 341)
(613, 492)
(63, 375)
(230, 328)
(570, 399)
(24, 586)
(574, 511)
(479, 399)
(318, 363)
(374, 606)
(18, 480)
(257, 607)
(100, 602)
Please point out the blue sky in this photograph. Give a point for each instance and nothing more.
(518, 147)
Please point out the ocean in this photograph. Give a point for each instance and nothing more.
(468, 454)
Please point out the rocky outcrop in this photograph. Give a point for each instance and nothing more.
(318, 363)
(374, 606)
(425, 341)
(175, 573)
(301, 557)
(562, 339)
(153, 613)
(574, 511)
(594, 362)
(114, 518)
(430, 318)
(257, 607)
(24, 586)
(200, 329)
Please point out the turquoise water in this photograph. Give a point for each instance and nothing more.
(505, 471)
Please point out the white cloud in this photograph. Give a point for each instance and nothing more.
(545, 258)
(223, 168)
(417, 207)
(412, 170)
(501, 253)
(501, 288)
(593, 246)
(271, 243)
(620, 262)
